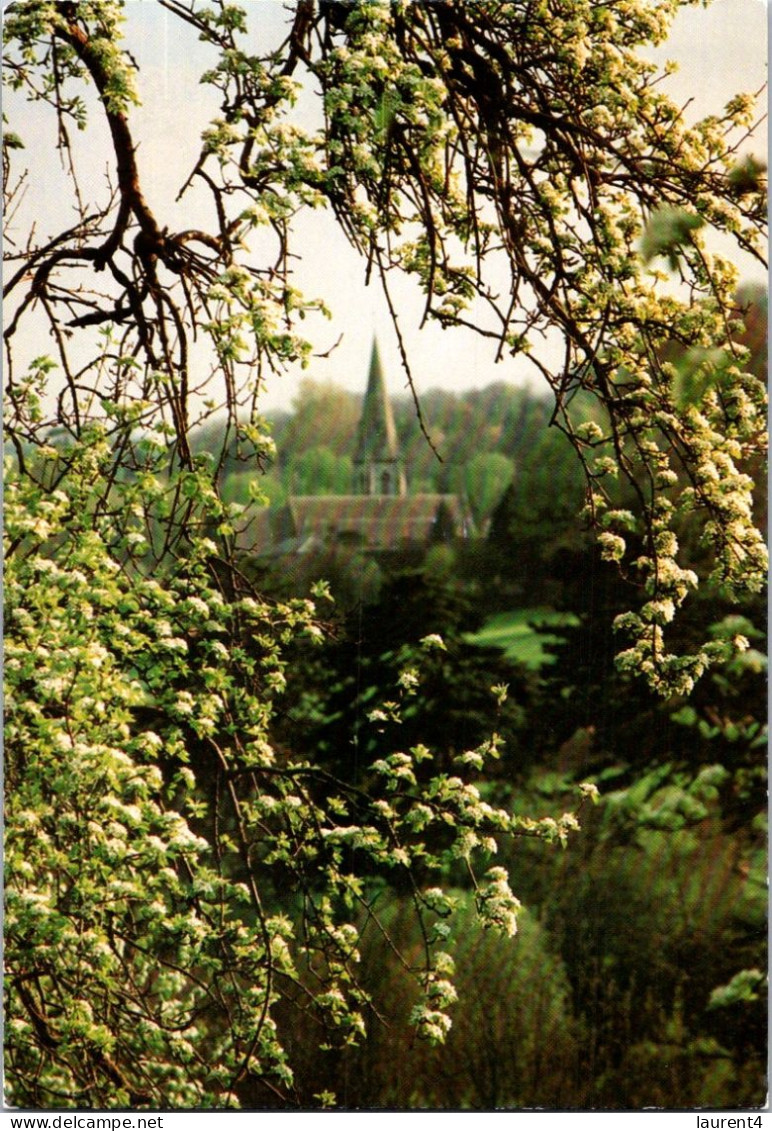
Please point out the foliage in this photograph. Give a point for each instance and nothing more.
(487, 476)
(659, 911)
(320, 413)
(242, 487)
(175, 877)
(318, 471)
(154, 834)
(523, 635)
(513, 1043)
(647, 932)
(331, 689)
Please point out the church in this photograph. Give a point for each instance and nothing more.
(380, 516)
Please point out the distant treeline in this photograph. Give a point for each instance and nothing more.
(484, 439)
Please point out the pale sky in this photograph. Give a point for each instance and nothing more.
(721, 50)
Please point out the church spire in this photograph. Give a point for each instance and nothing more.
(378, 468)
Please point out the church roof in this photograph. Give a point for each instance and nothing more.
(377, 434)
(389, 520)
(371, 522)
(378, 522)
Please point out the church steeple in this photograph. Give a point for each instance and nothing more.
(378, 467)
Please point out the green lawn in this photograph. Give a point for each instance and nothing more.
(522, 633)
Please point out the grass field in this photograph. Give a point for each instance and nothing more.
(522, 633)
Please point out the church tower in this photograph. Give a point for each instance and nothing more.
(378, 468)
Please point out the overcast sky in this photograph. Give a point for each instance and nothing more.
(720, 51)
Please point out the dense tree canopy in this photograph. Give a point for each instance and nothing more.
(176, 879)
